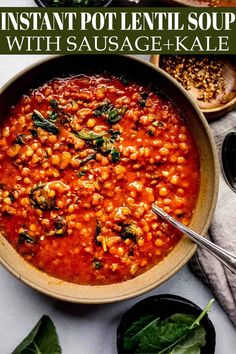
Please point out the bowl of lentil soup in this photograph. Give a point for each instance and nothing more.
(84, 153)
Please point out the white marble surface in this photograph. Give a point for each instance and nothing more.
(86, 329)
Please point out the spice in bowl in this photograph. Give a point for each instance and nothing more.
(210, 80)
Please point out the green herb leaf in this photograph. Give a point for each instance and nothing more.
(39, 197)
(138, 329)
(20, 139)
(115, 155)
(24, 237)
(52, 116)
(53, 103)
(168, 333)
(41, 122)
(192, 344)
(88, 158)
(97, 232)
(103, 108)
(34, 133)
(97, 264)
(42, 339)
(115, 114)
(130, 231)
(112, 114)
(86, 134)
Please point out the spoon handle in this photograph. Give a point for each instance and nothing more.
(225, 257)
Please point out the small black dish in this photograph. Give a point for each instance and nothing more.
(228, 157)
(164, 306)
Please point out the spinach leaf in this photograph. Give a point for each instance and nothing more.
(86, 134)
(138, 329)
(177, 334)
(97, 264)
(39, 197)
(130, 231)
(42, 339)
(34, 133)
(192, 344)
(52, 116)
(53, 103)
(161, 339)
(103, 108)
(20, 139)
(88, 158)
(24, 237)
(112, 114)
(115, 155)
(41, 122)
(115, 114)
(60, 225)
(97, 232)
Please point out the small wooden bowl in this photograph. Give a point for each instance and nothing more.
(225, 101)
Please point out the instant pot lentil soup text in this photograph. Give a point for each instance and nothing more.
(82, 160)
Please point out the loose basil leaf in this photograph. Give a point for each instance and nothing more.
(41, 122)
(42, 339)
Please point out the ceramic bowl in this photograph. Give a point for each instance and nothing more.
(163, 306)
(135, 68)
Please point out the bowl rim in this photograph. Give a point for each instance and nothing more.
(52, 288)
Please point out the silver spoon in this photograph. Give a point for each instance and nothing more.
(225, 257)
(228, 157)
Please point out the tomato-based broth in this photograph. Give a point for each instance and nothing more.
(82, 161)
